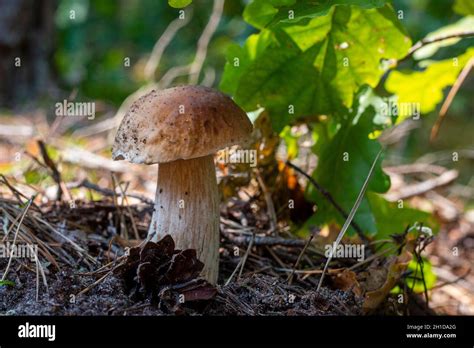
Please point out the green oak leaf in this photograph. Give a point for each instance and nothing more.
(343, 164)
(261, 13)
(392, 219)
(239, 59)
(179, 3)
(312, 69)
(343, 179)
(283, 81)
(425, 88)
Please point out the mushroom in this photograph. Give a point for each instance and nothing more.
(181, 128)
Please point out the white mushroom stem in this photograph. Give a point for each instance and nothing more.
(187, 208)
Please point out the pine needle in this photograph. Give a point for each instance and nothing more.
(350, 217)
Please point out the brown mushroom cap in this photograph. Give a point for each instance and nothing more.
(179, 123)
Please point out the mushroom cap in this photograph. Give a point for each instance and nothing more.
(179, 123)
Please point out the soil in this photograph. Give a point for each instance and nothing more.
(254, 295)
(261, 287)
(90, 226)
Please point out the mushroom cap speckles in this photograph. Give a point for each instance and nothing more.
(179, 123)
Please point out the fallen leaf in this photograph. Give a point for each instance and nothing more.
(396, 268)
(347, 280)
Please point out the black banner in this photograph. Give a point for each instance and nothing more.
(381, 331)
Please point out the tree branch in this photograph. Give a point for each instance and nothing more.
(203, 42)
(163, 42)
(428, 41)
(452, 93)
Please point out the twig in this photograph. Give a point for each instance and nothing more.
(37, 278)
(425, 288)
(171, 74)
(452, 93)
(162, 43)
(123, 225)
(17, 193)
(290, 277)
(416, 168)
(129, 210)
(104, 267)
(233, 273)
(268, 199)
(275, 256)
(330, 199)
(27, 236)
(450, 278)
(373, 257)
(209, 77)
(106, 123)
(89, 159)
(83, 291)
(264, 240)
(396, 133)
(351, 216)
(309, 271)
(203, 42)
(241, 264)
(109, 250)
(423, 187)
(446, 156)
(246, 256)
(54, 171)
(107, 192)
(447, 210)
(427, 41)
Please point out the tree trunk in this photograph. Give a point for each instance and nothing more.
(26, 43)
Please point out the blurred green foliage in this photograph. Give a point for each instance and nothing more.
(92, 47)
(426, 87)
(179, 3)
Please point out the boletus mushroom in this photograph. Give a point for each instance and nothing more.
(181, 128)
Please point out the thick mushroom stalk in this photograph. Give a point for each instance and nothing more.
(180, 128)
(187, 208)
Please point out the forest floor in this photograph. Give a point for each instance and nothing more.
(80, 252)
(254, 292)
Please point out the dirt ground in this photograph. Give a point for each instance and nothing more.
(81, 282)
(254, 295)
